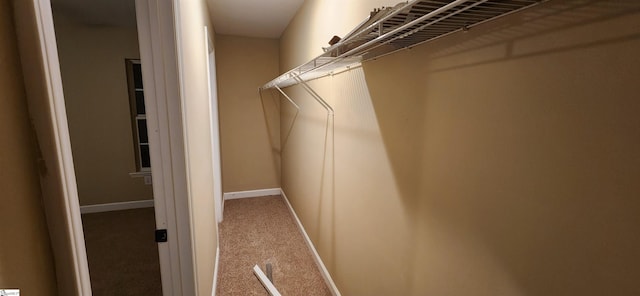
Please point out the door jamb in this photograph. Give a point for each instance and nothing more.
(156, 31)
(215, 124)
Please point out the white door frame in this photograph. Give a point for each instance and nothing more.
(164, 117)
(215, 143)
(43, 82)
(156, 34)
(215, 125)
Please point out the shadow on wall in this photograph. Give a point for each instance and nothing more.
(271, 113)
(515, 151)
(307, 122)
(557, 27)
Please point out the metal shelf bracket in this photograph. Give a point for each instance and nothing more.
(314, 94)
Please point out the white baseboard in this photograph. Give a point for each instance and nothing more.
(117, 206)
(316, 256)
(251, 193)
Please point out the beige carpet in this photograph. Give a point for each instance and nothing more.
(122, 253)
(259, 231)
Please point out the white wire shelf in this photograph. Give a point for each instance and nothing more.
(390, 29)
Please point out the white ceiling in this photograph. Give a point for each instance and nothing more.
(251, 18)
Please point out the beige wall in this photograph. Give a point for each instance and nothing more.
(250, 143)
(192, 55)
(503, 161)
(26, 260)
(92, 61)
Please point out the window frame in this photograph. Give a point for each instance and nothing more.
(135, 117)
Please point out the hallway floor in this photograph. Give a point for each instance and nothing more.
(260, 231)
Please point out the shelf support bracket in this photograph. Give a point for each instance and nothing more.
(291, 101)
(287, 97)
(314, 94)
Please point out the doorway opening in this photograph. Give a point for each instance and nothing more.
(99, 60)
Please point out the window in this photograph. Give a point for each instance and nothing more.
(138, 116)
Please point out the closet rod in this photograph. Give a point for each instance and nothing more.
(264, 280)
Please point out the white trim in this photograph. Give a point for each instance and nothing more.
(187, 207)
(271, 289)
(156, 34)
(251, 193)
(316, 256)
(140, 174)
(53, 128)
(215, 270)
(117, 206)
(214, 122)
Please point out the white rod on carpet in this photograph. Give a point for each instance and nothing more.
(265, 281)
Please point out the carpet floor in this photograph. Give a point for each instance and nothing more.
(260, 231)
(122, 253)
